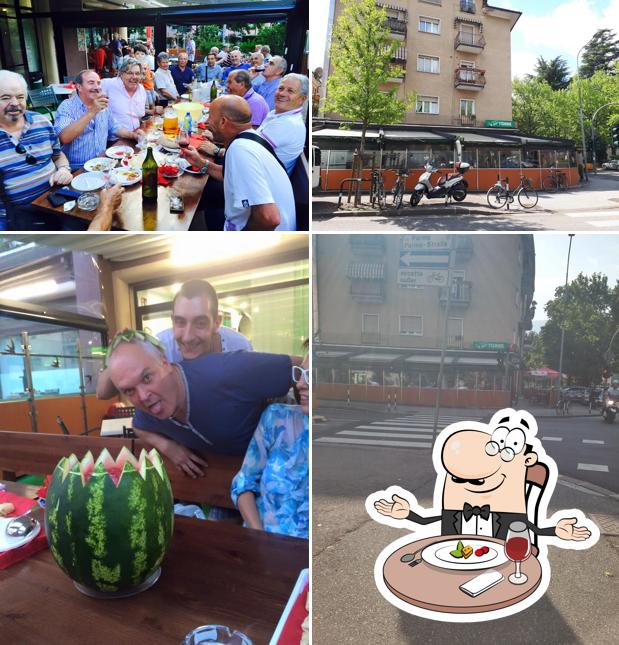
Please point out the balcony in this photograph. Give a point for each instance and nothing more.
(470, 43)
(460, 294)
(466, 78)
(463, 245)
(465, 121)
(455, 342)
(467, 6)
(400, 56)
(397, 27)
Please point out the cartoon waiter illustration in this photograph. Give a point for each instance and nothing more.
(490, 477)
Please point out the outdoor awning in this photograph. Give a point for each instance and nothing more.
(329, 354)
(375, 358)
(366, 271)
(473, 21)
(430, 360)
(544, 372)
(475, 137)
(476, 361)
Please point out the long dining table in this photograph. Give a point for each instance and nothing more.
(132, 215)
(213, 573)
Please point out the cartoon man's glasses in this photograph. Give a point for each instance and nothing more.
(20, 149)
(492, 448)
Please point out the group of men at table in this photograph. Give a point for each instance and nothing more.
(257, 191)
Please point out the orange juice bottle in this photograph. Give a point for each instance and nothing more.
(170, 122)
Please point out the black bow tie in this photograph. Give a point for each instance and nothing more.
(468, 511)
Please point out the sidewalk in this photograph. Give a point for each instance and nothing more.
(580, 606)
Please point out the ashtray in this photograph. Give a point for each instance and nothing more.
(88, 201)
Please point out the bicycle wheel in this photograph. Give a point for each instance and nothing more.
(380, 195)
(562, 182)
(527, 197)
(549, 184)
(398, 197)
(497, 197)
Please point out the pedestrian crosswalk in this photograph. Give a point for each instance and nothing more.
(597, 219)
(413, 431)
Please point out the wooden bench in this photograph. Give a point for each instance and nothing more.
(38, 454)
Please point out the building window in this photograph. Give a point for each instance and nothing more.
(430, 64)
(468, 34)
(468, 6)
(427, 105)
(467, 107)
(430, 25)
(370, 324)
(411, 325)
(455, 333)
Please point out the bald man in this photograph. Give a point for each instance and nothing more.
(257, 191)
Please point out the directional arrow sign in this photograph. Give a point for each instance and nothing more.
(424, 259)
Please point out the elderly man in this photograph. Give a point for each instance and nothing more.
(265, 50)
(257, 65)
(209, 403)
(235, 63)
(257, 190)
(284, 127)
(272, 75)
(223, 58)
(196, 330)
(127, 96)
(182, 73)
(239, 84)
(32, 159)
(84, 122)
(164, 83)
(209, 70)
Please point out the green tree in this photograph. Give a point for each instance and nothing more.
(600, 54)
(587, 310)
(555, 72)
(361, 53)
(273, 35)
(208, 36)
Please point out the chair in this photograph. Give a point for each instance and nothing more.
(535, 485)
(43, 101)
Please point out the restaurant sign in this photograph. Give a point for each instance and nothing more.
(494, 123)
(496, 347)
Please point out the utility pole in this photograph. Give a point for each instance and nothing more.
(567, 268)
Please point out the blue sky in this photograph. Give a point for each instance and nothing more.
(547, 28)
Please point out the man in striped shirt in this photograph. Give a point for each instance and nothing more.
(84, 122)
(30, 156)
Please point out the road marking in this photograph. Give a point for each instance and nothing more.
(592, 214)
(400, 424)
(595, 467)
(552, 438)
(401, 435)
(369, 442)
(592, 441)
(408, 429)
(611, 222)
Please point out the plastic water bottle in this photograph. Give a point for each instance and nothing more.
(188, 123)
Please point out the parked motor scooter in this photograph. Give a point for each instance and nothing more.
(452, 186)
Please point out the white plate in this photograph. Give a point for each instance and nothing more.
(118, 152)
(88, 181)
(192, 172)
(183, 164)
(438, 555)
(7, 542)
(119, 176)
(175, 150)
(99, 164)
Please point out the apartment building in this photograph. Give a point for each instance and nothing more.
(383, 311)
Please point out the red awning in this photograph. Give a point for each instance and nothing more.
(545, 372)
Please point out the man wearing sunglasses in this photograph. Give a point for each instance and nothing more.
(212, 403)
(31, 158)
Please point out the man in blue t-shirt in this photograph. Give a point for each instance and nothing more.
(212, 403)
(182, 74)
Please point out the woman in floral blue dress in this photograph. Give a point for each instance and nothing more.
(272, 488)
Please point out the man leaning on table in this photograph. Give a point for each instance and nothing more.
(211, 403)
(31, 159)
(257, 191)
(84, 122)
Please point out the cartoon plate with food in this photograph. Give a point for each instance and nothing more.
(483, 547)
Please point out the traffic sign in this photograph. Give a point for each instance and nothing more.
(422, 277)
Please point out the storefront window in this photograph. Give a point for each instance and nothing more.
(469, 155)
(530, 158)
(395, 159)
(488, 157)
(548, 158)
(510, 158)
(419, 157)
(442, 155)
(563, 158)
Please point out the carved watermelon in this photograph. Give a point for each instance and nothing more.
(109, 522)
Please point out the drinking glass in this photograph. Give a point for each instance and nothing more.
(183, 138)
(517, 549)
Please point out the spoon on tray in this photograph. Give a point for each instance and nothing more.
(21, 526)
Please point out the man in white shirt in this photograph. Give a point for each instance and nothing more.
(127, 96)
(164, 83)
(257, 190)
(284, 127)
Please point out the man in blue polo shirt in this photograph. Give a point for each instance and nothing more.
(182, 73)
(212, 403)
(266, 85)
(236, 63)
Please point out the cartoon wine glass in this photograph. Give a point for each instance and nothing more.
(517, 549)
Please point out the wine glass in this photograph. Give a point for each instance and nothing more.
(517, 549)
(183, 138)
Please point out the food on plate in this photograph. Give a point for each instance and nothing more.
(482, 551)
(96, 165)
(457, 553)
(170, 170)
(194, 168)
(6, 509)
(467, 551)
(167, 142)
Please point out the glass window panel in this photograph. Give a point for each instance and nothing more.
(548, 158)
(488, 157)
(442, 155)
(510, 158)
(419, 157)
(411, 325)
(12, 380)
(563, 158)
(32, 49)
(530, 158)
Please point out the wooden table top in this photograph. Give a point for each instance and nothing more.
(132, 216)
(437, 589)
(213, 573)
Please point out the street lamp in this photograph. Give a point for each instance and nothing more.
(582, 121)
(567, 268)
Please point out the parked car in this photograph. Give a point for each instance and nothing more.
(613, 164)
(577, 394)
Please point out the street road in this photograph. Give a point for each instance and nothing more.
(356, 451)
(590, 207)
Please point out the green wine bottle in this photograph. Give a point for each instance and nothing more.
(149, 178)
(213, 90)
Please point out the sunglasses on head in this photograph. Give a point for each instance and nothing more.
(127, 336)
(21, 150)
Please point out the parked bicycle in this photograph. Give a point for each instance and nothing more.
(399, 188)
(563, 407)
(554, 181)
(500, 194)
(377, 190)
